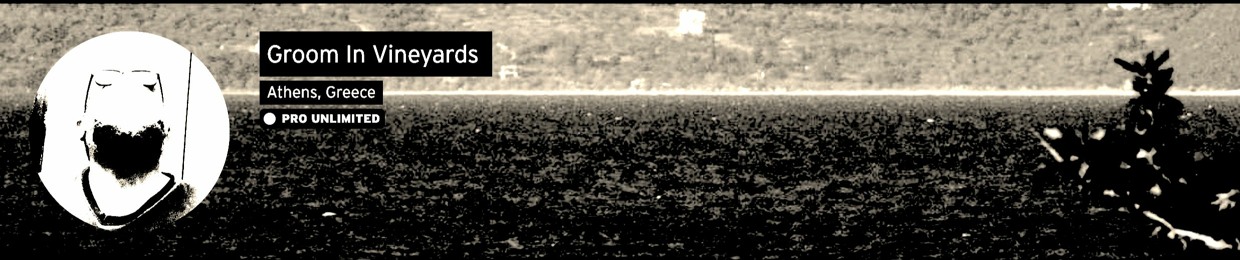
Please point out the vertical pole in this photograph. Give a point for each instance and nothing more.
(184, 133)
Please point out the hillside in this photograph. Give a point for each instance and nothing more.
(760, 47)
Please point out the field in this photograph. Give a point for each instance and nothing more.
(732, 177)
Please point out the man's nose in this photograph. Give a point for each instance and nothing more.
(127, 106)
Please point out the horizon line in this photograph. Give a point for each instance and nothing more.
(784, 93)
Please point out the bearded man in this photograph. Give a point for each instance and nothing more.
(123, 135)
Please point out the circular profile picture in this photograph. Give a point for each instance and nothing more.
(130, 130)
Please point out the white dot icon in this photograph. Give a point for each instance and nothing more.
(269, 118)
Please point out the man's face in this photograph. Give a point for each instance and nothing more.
(124, 131)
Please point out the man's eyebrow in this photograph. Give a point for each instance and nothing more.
(113, 70)
(141, 71)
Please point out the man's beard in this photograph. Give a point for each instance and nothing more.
(129, 156)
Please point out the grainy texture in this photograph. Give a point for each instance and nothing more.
(752, 46)
(671, 176)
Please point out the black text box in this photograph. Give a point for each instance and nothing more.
(322, 118)
(320, 92)
(375, 54)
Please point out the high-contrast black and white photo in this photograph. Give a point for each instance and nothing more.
(674, 131)
(111, 119)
